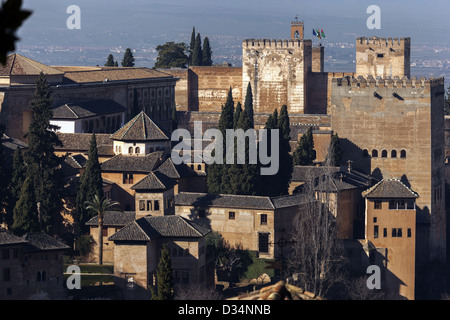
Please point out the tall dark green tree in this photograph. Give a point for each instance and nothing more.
(26, 216)
(269, 185)
(207, 53)
(172, 55)
(116, 64)
(91, 185)
(191, 45)
(284, 175)
(41, 162)
(304, 154)
(17, 179)
(110, 61)
(248, 105)
(218, 177)
(4, 181)
(197, 53)
(334, 154)
(164, 279)
(128, 58)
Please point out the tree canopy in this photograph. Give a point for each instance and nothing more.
(128, 58)
(172, 55)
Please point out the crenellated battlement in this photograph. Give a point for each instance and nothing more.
(275, 43)
(387, 42)
(387, 82)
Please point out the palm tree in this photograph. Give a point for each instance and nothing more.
(100, 206)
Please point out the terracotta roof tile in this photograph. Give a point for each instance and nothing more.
(126, 163)
(140, 128)
(75, 75)
(85, 109)
(114, 219)
(16, 64)
(154, 181)
(81, 141)
(390, 189)
(151, 227)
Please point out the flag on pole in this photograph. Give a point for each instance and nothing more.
(318, 34)
(323, 34)
(314, 33)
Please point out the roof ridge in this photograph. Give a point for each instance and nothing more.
(189, 223)
(140, 228)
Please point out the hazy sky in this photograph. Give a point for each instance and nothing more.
(421, 20)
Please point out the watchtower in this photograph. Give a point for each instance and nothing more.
(297, 29)
(383, 57)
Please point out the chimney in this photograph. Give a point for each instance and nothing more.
(349, 163)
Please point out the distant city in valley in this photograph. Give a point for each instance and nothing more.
(426, 59)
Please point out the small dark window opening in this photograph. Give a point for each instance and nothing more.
(374, 153)
(384, 154)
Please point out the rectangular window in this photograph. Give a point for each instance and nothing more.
(264, 219)
(141, 205)
(149, 205)
(375, 232)
(396, 232)
(380, 55)
(105, 232)
(409, 232)
(6, 274)
(124, 178)
(385, 232)
(263, 242)
(5, 254)
(377, 204)
(232, 215)
(156, 205)
(374, 219)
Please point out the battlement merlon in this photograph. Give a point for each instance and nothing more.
(387, 82)
(387, 42)
(296, 23)
(276, 43)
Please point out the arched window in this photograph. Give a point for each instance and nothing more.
(365, 153)
(403, 154)
(130, 150)
(393, 154)
(384, 154)
(374, 153)
(199, 167)
(137, 150)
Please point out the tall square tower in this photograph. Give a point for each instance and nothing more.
(383, 57)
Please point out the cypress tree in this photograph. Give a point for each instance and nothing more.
(237, 115)
(269, 185)
(284, 174)
(218, 177)
(4, 180)
(164, 279)
(17, 179)
(197, 54)
(110, 61)
(128, 58)
(192, 46)
(91, 184)
(248, 105)
(26, 217)
(207, 53)
(334, 151)
(41, 162)
(116, 64)
(304, 154)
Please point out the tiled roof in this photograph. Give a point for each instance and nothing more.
(145, 164)
(7, 238)
(85, 109)
(278, 291)
(169, 169)
(81, 141)
(140, 128)
(305, 173)
(100, 74)
(390, 189)
(16, 64)
(76, 161)
(152, 227)
(154, 181)
(39, 241)
(12, 143)
(223, 200)
(289, 200)
(114, 219)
